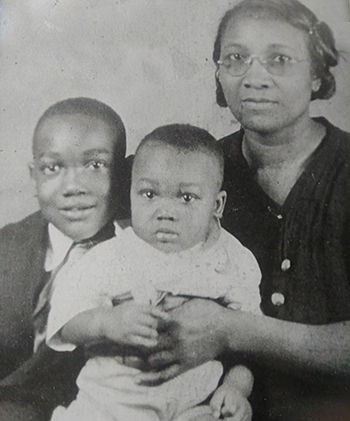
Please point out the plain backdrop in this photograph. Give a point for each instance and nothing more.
(148, 59)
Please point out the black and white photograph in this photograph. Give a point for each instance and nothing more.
(175, 210)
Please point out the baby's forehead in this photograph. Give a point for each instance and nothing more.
(158, 160)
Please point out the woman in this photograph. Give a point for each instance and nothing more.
(287, 179)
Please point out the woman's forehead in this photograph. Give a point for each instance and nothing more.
(263, 33)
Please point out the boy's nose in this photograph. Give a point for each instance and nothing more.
(72, 184)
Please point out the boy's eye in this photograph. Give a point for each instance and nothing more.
(96, 165)
(50, 169)
(148, 194)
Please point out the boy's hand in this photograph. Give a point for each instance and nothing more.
(132, 324)
(230, 404)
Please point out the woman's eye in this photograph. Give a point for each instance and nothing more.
(148, 194)
(96, 165)
(280, 59)
(50, 169)
(236, 57)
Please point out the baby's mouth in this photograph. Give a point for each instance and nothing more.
(166, 235)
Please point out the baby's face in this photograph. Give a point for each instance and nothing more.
(174, 197)
(72, 171)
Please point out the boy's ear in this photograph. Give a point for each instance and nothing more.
(220, 204)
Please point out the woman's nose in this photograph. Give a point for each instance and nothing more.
(257, 76)
(72, 183)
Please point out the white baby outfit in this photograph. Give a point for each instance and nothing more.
(126, 264)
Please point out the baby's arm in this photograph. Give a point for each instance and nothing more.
(127, 324)
(230, 400)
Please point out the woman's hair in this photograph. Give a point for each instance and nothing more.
(321, 44)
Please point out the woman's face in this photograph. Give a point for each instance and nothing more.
(259, 100)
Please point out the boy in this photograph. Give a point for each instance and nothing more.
(174, 248)
(78, 149)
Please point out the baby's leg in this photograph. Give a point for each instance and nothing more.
(199, 413)
(82, 409)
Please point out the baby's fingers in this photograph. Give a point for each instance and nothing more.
(156, 378)
(237, 412)
(146, 332)
(143, 341)
(217, 401)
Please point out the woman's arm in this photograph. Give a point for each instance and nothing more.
(202, 330)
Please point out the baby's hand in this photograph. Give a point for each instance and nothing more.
(133, 324)
(230, 404)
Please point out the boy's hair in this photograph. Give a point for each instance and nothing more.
(186, 138)
(92, 108)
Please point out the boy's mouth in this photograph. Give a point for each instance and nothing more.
(76, 212)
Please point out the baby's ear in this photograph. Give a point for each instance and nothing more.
(220, 204)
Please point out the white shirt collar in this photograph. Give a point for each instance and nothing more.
(59, 244)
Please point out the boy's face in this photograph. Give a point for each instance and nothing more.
(174, 197)
(72, 170)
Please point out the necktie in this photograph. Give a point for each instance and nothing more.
(76, 250)
(42, 308)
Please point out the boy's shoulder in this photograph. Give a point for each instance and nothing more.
(30, 230)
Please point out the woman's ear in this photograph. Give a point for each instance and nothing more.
(220, 204)
(316, 84)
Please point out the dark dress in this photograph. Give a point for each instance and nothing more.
(303, 248)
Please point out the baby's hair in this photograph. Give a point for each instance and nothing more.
(92, 108)
(185, 138)
(320, 39)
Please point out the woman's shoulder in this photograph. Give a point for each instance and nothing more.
(235, 138)
(337, 136)
(232, 146)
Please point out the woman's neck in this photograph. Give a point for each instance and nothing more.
(278, 160)
(290, 145)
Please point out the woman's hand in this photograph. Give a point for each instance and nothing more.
(191, 337)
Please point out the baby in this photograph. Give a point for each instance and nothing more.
(175, 247)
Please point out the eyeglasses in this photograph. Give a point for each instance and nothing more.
(237, 64)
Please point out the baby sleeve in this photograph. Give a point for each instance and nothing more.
(245, 276)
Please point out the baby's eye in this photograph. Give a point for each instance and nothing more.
(96, 165)
(148, 194)
(50, 169)
(188, 197)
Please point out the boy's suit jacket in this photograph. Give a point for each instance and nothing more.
(30, 385)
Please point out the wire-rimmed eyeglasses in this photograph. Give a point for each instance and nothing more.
(237, 64)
